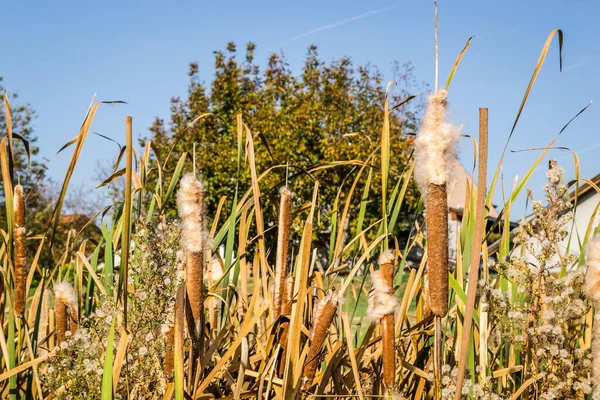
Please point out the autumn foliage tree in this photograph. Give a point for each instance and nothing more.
(328, 113)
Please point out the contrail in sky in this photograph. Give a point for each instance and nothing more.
(340, 23)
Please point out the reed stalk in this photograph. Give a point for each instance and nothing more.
(283, 240)
(476, 249)
(322, 319)
(20, 252)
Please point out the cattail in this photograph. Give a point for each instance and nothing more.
(283, 239)
(322, 318)
(286, 309)
(592, 290)
(434, 153)
(382, 306)
(169, 333)
(20, 249)
(194, 238)
(65, 300)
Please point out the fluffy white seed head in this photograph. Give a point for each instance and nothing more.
(387, 257)
(435, 144)
(382, 302)
(64, 292)
(190, 206)
(592, 278)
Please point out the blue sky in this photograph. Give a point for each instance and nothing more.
(57, 54)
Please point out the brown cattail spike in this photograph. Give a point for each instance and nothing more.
(387, 322)
(323, 316)
(194, 288)
(169, 332)
(382, 307)
(286, 309)
(435, 152)
(65, 300)
(283, 239)
(437, 248)
(20, 252)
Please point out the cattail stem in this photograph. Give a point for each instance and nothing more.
(387, 330)
(322, 321)
(283, 239)
(20, 252)
(475, 250)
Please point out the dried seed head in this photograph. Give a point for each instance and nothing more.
(283, 240)
(382, 302)
(322, 318)
(64, 292)
(435, 144)
(65, 298)
(318, 312)
(437, 248)
(190, 207)
(19, 206)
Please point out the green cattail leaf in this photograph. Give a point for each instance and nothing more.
(457, 63)
(108, 259)
(363, 204)
(332, 234)
(89, 296)
(174, 178)
(107, 375)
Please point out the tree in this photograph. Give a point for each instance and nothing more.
(329, 112)
(39, 190)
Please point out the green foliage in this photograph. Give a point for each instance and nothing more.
(329, 112)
